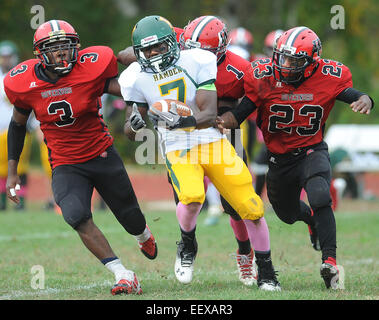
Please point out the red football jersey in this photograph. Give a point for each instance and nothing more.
(68, 110)
(230, 76)
(291, 117)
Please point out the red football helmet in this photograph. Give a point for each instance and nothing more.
(242, 38)
(296, 55)
(206, 32)
(270, 41)
(56, 35)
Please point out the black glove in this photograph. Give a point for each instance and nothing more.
(136, 121)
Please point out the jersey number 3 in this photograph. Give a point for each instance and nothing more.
(284, 114)
(64, 109)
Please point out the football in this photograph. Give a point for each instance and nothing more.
(164, 105)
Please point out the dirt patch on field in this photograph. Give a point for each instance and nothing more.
(154, 186)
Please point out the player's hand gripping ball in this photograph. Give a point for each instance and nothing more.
(169, 113)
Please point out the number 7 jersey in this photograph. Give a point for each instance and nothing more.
(194, 68)
(292, 117)
(68, 109)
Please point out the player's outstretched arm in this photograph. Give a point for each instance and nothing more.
(113, 87)
(16, 137)
(126, 56)
(362, 105)
(232, 119)
(359, 101)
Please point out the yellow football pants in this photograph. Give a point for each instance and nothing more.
(23, 164)
(227, 171)
(44, 155)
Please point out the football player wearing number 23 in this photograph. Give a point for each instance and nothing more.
(63, 87)
(294, 93)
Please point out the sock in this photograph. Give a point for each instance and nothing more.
(242, 237)
(144, 236)
(263, 256)
(326, 228)
(119, 271)
(3, 201)
(189, 239)
(3, 188)
(258, 234)
(305, 214)
(187, 215)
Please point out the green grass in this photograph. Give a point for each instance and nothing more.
(72, 273)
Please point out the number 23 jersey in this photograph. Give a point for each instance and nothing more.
(68, 109)
(292, 117)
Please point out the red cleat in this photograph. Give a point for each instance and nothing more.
(149, 248)
(127, 287)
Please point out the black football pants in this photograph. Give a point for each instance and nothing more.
(73, 188)
(288, 174)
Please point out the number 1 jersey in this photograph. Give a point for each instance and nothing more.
(68, 109)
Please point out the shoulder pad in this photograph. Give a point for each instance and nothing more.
(18, 79)
(129, 76)
(203, 56)
(95, 59)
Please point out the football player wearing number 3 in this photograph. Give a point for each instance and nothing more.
(163, 71)
(294, 93)
(63, 87)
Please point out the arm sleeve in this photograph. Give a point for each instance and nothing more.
(243, 110)
(349, 95)
(16, 137)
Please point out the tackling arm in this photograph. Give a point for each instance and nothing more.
(126, 56)
(233, 118)
(112, 87)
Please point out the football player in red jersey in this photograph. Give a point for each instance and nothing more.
(210, 33)
(294, 94)
(63, 87)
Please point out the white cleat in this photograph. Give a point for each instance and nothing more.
(247, 268)
(184, 264)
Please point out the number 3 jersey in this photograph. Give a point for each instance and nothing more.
(68, 109)
(292, 117)
(194, 68)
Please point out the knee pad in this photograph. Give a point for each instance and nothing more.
(251, 209)
(74, 211)
(318, 192)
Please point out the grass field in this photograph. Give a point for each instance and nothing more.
(38, 238)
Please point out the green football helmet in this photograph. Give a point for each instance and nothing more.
(151, 31)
